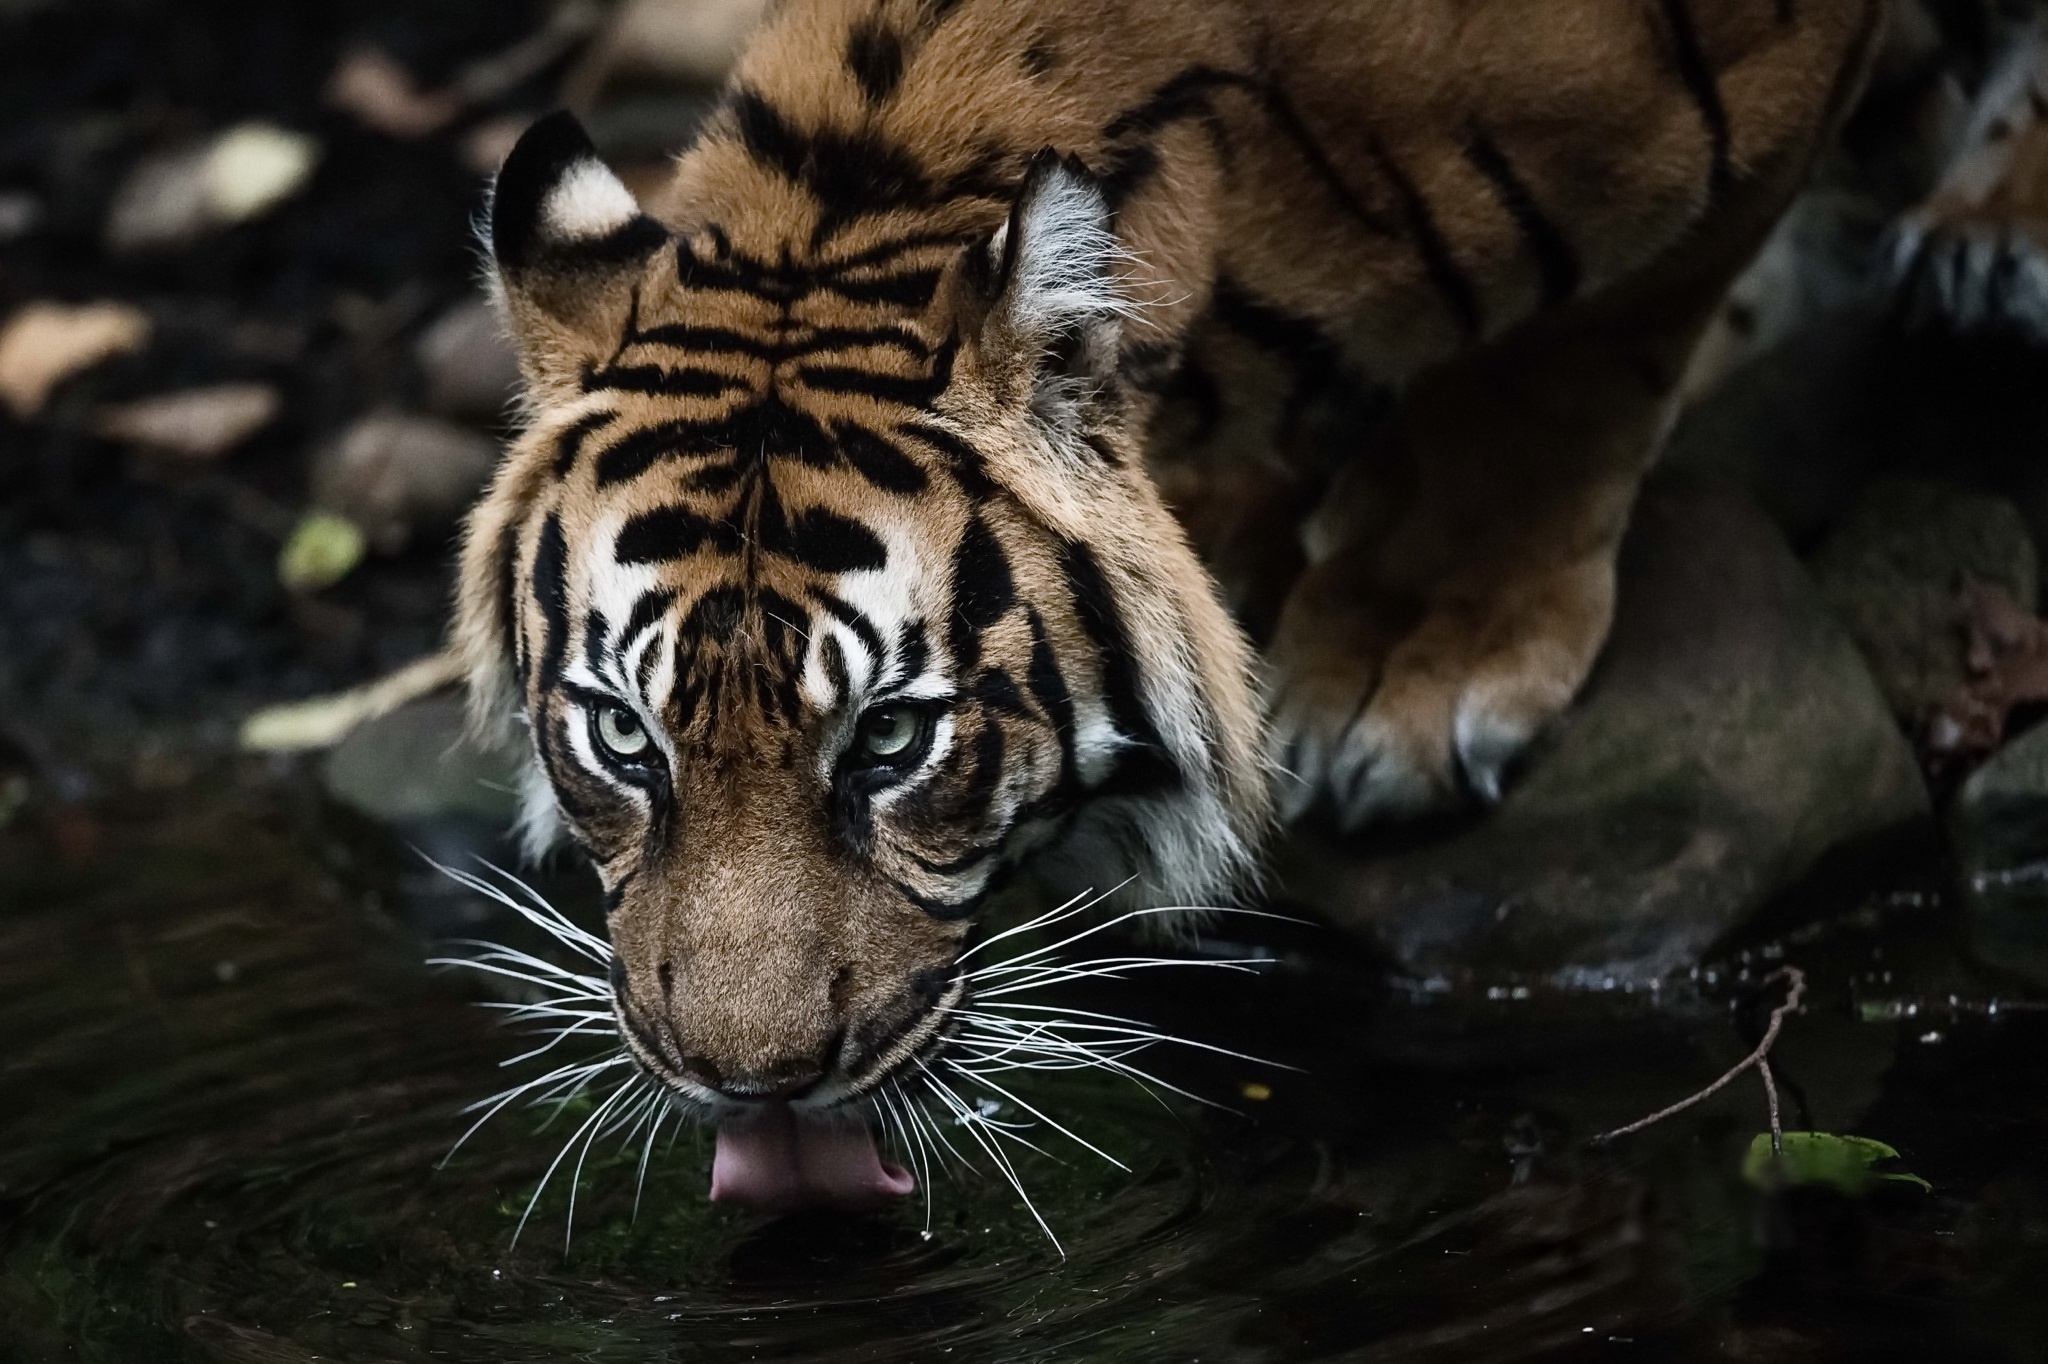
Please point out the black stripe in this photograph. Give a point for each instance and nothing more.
(855, 620)
(875, 56)
(1443, 270)
(593, 643)
(684, 382)
(1049, 688)
(832, 658)
(849, 172)
(1556, 263)
(986, 777)
(878, 461)
(636, 451)
(1698, 76)
(830, 543)
(569, 444)
(653, 604)
(996, 689)
(964, 462)
(913, 650)
(551, 595)
(1185, 95)
(722, 341)
(1146, 765)
(664, 534)
(983, 592)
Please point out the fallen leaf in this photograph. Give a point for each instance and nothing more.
(1822, 1159)
(46, 343)
(322, 550)
(199, 423)
(371, 84)
(2005, 657)
(253, 167)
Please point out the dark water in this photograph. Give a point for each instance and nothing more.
(229, 1084)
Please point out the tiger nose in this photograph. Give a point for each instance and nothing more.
(789, 1077)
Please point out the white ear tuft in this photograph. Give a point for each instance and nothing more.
(588, 201)
(1058, 255)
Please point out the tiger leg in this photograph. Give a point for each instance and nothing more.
(1434, 639)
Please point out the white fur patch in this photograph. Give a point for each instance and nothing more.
(588, 201)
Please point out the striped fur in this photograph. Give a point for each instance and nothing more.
(856, 416)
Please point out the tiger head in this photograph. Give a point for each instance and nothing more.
(829, 586)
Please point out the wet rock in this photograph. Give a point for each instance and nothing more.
(1730, 741)
(1999, 826)
(418, 762)
(470, 366)
(197, 424)
(1895, 573)
(44, 344)
(392, 474)
(174, 197)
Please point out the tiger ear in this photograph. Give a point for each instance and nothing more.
(569, 241)
(1052, 281)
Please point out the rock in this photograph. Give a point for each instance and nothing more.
(197, 424)
(392, 473)
(470, 365)
(1729, 741)
(1895, 573)
(418, 762)
(1999, 826)
(174, 197)
(1790, 427)
(44, 344)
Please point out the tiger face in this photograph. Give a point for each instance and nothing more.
(831, 593)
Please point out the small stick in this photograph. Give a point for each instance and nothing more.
(1796, 990)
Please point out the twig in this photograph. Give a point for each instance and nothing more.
(1759, 1059)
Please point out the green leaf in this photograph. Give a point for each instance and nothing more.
(1823, 1158)
(322, 550)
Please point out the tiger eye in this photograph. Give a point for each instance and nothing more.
(621, 732)
(890, 731)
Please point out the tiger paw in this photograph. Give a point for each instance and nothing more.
(1382, 713)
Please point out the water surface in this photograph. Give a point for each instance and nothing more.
(231, 1082)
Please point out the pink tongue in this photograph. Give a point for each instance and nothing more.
(776, 1161)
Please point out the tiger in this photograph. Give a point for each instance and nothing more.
(828, 575)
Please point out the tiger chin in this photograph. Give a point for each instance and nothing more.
(830, 578)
